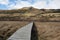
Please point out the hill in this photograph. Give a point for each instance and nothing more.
(30, 14)
(46, 21)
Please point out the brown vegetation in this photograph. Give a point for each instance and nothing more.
(45, 30)
(48, 30)
(47, 22)
(30, 14)
(7, 28)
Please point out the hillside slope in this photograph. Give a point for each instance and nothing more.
(30, 14)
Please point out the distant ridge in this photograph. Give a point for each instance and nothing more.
(30, 14)
(29, 9)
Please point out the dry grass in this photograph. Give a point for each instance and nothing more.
(7, 28)
(48, 30)
(11, 20)
(45, 30)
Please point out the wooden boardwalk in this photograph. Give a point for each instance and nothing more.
(23, 33)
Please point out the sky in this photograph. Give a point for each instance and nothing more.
(17, 4)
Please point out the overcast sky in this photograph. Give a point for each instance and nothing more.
(17, 4)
